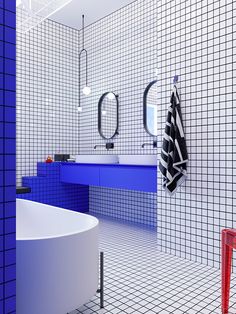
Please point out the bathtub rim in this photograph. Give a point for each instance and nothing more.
(95, 223)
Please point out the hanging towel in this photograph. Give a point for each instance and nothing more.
(174, 156)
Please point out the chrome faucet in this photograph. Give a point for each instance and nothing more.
(153, 144)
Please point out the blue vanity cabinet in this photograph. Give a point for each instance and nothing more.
(138, 178)
(128, 177)
(87, 174)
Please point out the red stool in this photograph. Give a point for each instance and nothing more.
(228, 244)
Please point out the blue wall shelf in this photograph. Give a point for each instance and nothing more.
(129, 177)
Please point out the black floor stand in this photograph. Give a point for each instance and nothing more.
(101, 289)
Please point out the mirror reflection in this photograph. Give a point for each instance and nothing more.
(150, 108)
(108, 115)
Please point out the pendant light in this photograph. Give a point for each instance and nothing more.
(86, 89)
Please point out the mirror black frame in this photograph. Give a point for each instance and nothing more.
(100, 115)
(145, 106)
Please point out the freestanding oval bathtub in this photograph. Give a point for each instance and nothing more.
(57, 258)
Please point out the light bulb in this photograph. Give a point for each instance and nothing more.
(110, 96)
(86, 90)
(104, 112)
(79, 109)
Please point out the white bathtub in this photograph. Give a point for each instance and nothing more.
(57, 258)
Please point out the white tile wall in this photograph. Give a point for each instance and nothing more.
(135, 206)
(194, 39)
(122, 57)
(47, 95)
(198, 43)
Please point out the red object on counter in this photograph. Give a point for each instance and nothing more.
(228, 244)
(49, 160)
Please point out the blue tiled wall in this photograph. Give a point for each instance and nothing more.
(46, 188)
(7, 156)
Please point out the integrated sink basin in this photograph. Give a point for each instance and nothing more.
(97, 159)
(139, 160)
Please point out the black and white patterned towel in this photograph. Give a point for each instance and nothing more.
(174, 156)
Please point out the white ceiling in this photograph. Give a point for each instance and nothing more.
(93, 10)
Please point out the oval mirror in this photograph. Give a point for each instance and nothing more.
(108, 120)
(150, 108)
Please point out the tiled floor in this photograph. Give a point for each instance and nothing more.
(140, 279)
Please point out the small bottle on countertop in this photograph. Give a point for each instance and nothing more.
(49, 159)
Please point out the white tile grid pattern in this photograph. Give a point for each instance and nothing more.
(121, 58)
(47, 95)
(198, 43)
(135, 206)
(140, 279)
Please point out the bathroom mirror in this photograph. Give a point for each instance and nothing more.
(150, 108)
(108, 107)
